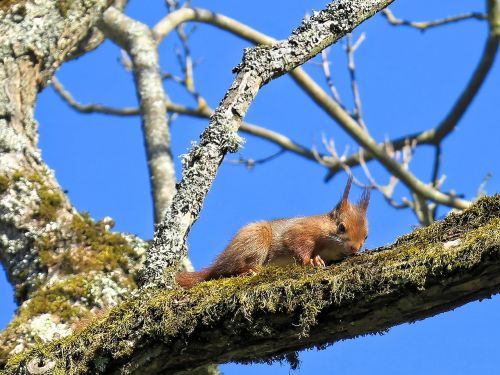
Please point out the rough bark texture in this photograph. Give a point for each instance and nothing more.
(259, 66)
(63, 265)
(282, 310)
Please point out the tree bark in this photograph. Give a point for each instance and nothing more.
(282, 310)
(63, 265)
(137, 39)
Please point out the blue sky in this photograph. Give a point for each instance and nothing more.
(408, 82)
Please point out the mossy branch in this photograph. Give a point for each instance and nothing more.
(283, 310)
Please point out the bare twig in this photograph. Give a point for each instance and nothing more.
(169, 76)
(481, 191)
(325, 64)
(424, 25)
(317, 94)
(435, 169)
(251, 163)
(329, 145)
(91, 108)
(351, 50)
(387, 191)
(126, 61)
(185, 58)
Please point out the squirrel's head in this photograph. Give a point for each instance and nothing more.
(351, 224)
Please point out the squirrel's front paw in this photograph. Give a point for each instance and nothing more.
(317, 261)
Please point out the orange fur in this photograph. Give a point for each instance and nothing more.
(189, 279)
(310, 240)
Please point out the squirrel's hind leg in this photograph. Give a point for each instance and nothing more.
(246, 252)
(250, 272)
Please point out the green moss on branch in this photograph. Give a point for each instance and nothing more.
(285, 309)
(91, 247)
(4, 184)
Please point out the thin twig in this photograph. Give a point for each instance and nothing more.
(351, 50)
(251, 163)
(329, 145)
(424, 25)
(91, 108)
(279, 139)
(436, 166)
(387, 190)
(480, 191)
(325, 64)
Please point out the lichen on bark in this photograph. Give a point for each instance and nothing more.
(64, 266)
(38, 225)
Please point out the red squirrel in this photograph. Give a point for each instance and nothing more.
(311, 240)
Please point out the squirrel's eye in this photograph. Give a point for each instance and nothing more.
(341, 228)
(366, 237)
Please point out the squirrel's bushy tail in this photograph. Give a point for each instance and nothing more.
(189, 279)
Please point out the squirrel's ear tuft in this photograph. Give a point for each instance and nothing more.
(365, 199)
(344, 202)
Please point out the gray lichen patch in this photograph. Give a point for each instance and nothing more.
(59, 308)
(49, 29)
(313, 35)
(24, 213)
(54, 236)
(287, 303)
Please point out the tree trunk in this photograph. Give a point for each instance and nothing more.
(63, 265)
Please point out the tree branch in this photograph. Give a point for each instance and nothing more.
(350, 50)
(91, 108)
(424, 25)
(137, 39)
(205, 112)
(436, 135)
(282, 310)
(331, 107)
(478, 77)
